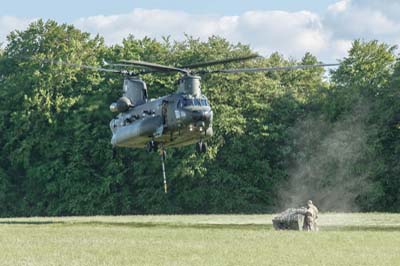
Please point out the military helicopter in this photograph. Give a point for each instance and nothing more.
(175, 120)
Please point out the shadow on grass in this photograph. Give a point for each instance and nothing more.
(179, 225)
(331, 228)
(31, 222)
(370, 228)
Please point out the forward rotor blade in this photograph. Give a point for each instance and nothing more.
(60, 62)
(266, 69)
(119, 65)
(154, 66)
(110, 70)
(218, 62)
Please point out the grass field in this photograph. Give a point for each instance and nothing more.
(344, 239)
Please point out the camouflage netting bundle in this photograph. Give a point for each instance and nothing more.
(291, 219)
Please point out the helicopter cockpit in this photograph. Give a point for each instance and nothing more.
(193, 102)
(195, 110)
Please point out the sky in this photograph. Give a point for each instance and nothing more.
(325, 28)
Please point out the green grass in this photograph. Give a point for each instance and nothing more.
(344, 239)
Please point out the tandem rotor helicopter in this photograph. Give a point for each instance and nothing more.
(175, 120)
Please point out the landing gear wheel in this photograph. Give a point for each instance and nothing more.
(201, 147)
(152, 146)
(204, 147)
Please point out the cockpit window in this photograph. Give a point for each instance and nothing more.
(204, 102)
(186, 102)
(195, 102)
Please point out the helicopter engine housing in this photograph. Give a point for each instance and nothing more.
(135, 90)
(121, 105)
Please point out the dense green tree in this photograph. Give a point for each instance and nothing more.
(364, 87)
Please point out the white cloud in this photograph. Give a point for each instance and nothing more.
(155, 23)
(290, 33)
(390, 8)
(339, 7)
(327, 35)
(339, 48)
(367, 19)
(10, 23)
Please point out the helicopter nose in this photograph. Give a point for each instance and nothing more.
(201, 115)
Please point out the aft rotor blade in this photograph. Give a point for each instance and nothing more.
(218, 62)
(267, 69)
(154, 66)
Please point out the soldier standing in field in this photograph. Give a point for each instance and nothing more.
(315, 214)
(310, 217)
(308, 220)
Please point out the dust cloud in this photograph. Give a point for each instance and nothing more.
(328, 165)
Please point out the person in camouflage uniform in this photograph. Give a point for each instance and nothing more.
(310, 217)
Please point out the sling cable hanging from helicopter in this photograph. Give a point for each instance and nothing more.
(163, 157)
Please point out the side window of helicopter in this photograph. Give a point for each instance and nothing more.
(196, 102)
(145, 95)
(204, 102)
(179, 104)
(187, 102)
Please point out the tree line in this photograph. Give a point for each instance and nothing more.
(278, 135)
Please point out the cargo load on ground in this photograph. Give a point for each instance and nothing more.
(290, 219)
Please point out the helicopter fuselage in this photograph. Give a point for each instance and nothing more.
(174, 120)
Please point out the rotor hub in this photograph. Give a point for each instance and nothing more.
(190, 84)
